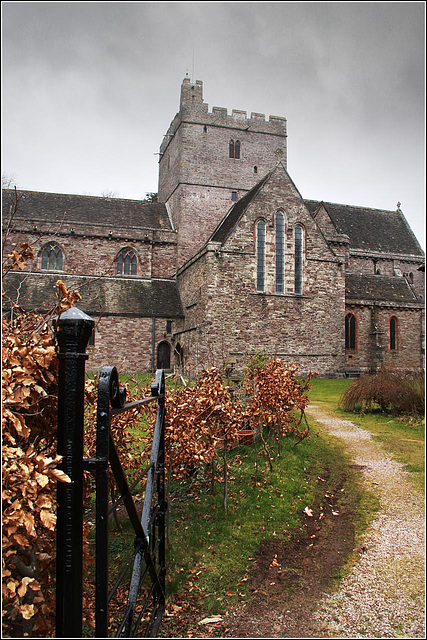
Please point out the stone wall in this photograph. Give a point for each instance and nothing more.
(373, 338)
(196, 175)
(96, 256)
(235, 320)
(127, 343)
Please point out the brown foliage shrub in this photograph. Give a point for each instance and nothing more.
(275, 391)
(29, 473)
(198, 418)
(393, 391)
(29, 462)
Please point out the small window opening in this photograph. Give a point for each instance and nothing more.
(234, 196)
(255, 169)
(205, 129)
(168, 326)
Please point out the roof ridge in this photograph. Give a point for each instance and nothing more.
(77, 195)
(352, 206)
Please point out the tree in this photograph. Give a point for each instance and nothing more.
(8, 181)
(108, 193)
(150, 196)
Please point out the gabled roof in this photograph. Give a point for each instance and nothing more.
(379, 288)
(105, 296)
(39, 207)
(371, 229)
(232, 217)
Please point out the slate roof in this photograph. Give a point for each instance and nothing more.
(371, 229)
(378, 287)
(109, 296)
(40, 207)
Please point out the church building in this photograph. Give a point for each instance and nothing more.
(230, 260)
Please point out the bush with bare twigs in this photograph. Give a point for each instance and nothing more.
(388, 390)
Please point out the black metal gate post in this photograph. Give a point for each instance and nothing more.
(73, 329)
(160, 380)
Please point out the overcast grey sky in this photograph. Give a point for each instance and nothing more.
(89, 90)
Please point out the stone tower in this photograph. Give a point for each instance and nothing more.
(208, 160)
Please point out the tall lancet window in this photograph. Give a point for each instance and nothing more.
(394, 333)
(298, 259)
(231, 149)
(350, 331)
(280, 252)
(260, 255)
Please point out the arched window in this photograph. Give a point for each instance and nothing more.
(394, 333)
(126, 263)
(298, 233)
(164, 355)
(280, 252)
(260, 254)
(350, 331)
(234, 149)
(51, 257)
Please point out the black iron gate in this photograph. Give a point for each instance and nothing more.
(147, 561)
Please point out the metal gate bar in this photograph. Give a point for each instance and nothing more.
(73, 329)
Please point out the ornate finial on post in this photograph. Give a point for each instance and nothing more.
(398, 206)
(72, 331)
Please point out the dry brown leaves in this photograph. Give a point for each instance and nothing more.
(29, 464)
(30, 471)
(274, 393)
(197, 421)
(18, 258)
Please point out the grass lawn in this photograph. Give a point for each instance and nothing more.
(212, 552)
(403, 437)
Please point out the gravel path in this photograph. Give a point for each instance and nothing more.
(383, 596)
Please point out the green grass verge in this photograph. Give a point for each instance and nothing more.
(212, 551)
(402, 437)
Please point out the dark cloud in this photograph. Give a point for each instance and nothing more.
(101, 81)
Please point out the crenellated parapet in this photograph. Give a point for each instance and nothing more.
(194, 111)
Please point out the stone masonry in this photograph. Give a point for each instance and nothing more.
(192, 297)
